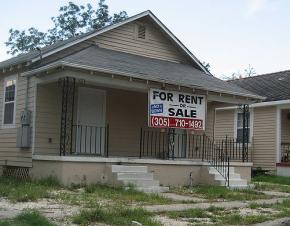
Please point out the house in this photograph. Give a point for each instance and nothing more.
(78, 109)
(269, 123)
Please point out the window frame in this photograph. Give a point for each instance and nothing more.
(251, 115)
(11, 77)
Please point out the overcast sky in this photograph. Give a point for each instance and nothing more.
(227, 34)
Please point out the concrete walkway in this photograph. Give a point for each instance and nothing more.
(226, 205)
(181, 198)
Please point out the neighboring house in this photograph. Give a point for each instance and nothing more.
(84, 101)
(269, 127)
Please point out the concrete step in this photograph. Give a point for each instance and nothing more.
(153, 189)
(212, 170)
(135, 176)
(218, 176)
(235, 178)
(127, 169)
(238, 182)
(141, 183)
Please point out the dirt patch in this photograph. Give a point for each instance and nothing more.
(56, 212)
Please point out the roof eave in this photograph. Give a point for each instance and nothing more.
(97, 69)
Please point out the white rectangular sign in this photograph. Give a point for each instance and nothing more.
(170, 109)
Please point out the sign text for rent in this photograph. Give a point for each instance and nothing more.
(170, 109)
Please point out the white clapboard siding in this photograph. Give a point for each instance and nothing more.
(9, 154)
(155, 46)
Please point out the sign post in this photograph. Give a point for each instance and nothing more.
(170, 109)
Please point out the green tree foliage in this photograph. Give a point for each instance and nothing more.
(72, 21)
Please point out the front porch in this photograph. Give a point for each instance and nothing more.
(77, 117)
(86, 124)
(283, 140)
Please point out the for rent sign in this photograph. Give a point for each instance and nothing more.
(169, 109)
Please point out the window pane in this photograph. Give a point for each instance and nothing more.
(240, 135)
(240, 120)
(10, 90)
(8, 113)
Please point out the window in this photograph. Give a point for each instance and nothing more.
(141, 32)
(240, 127)
(9, 101)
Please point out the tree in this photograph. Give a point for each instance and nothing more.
(206, 65)
(72, 21)
(247, 72)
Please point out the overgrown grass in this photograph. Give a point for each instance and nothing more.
(196, 213)
(119, 196)
(272, 179)
(23, 191)
(236, 219)
(27, 218)
(218, 192)
(219, 216)
(115, 216)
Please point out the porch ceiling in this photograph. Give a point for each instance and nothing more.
(114, 62)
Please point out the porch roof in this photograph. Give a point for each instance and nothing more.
(120, 63)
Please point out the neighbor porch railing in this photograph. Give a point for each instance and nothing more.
(285, 152)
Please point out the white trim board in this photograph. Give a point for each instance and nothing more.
(119, 160)
(286, 104)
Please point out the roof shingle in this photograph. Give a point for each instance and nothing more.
(150, 69)
(273, 86)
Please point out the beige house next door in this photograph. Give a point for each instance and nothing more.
(91, 120)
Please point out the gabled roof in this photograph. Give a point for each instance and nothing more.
(273, 86)
(99, 59)
(60, 45)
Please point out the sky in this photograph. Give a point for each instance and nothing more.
(229, 35)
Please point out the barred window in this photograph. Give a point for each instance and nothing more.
(9, 101)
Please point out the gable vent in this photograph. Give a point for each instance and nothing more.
(141, 32)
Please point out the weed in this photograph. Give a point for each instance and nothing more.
(22, 191)
(272, 179)
(218, 192)
(27, 218)
(116, 216)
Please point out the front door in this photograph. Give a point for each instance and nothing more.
(91, 128)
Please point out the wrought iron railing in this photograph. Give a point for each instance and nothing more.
(90, 140)
(285, 152)
(154, 143)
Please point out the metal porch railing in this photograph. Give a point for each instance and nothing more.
(90, 140)
(285, 152)
(155, 143)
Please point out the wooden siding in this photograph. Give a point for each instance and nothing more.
(263, 146)
(155, 46)
(210, 119)
(9, 154)
(47, 126)
(264, 138)
(126, 114)
(224, 124)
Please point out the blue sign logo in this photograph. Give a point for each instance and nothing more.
(156, 108)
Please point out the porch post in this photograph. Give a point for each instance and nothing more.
(171, 136)
(245, 134)
(67, 85)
